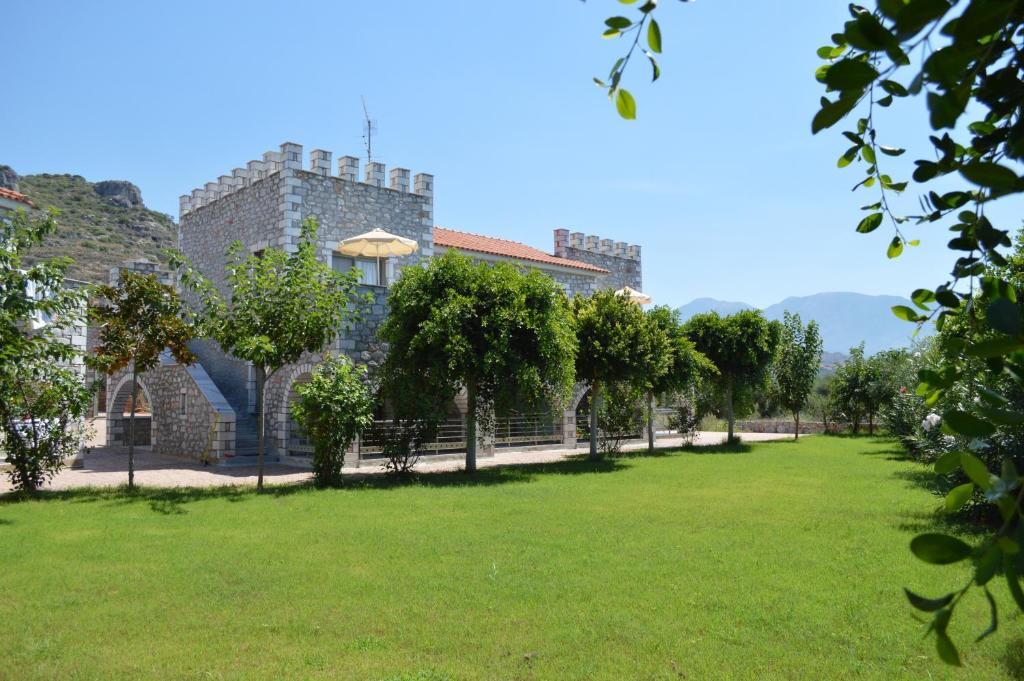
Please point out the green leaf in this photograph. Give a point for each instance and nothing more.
(927, 604)
(894, 88)
(890, 151)
(868, 154)
(939, 549)
(625, 104)
(959, 496)
(832, 112)
(655, 70)
(976, 470)
(1001, 417)
(850, 74)
(611, 33)
(986, 566)
(922, 297)
(948, 462)
(847, 157)
(870, 223)
(995, 347)
(905, 313)
(991, 175)
(1004, 316)
(618, 23)
(654, 36)
(962, 423)
(895, 248)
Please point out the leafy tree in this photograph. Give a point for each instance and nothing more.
(333, 408)
(616, 344)
(964, 57)
(42, 397)
(138, 319)
(796, 365)
(848, 389)
(674, 365)
(741, 346)
(279, 306)
(501, 333)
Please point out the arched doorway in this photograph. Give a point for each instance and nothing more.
(119, 406)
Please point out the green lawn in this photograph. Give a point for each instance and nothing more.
(785, 560)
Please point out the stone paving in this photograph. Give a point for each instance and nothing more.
(107, 466)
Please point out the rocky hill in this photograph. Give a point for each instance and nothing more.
(101, 224)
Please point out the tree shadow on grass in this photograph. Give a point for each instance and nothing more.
(1013, 658)
(173, 500)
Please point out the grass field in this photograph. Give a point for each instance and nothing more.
(783, 560)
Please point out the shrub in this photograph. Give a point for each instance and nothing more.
(42, 407)
(621, 417)
(684, 420)
(333, 408)
(403, 444)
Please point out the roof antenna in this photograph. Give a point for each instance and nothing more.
(369, 127)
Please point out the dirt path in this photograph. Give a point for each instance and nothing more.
(107, 466)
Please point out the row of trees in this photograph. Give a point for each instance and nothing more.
(503, 335)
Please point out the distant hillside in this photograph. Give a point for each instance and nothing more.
(101, 224)
(845, 319)
(702, 305)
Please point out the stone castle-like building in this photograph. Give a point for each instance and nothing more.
(208, 410)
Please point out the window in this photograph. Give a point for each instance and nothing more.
(182, 404)
(371, 273)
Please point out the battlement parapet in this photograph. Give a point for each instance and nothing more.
(566, 240)
(289, 157)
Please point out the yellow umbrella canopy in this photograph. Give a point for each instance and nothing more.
(378, 244)
(634, 295)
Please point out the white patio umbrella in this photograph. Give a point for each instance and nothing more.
(378, 244)
(634, 295)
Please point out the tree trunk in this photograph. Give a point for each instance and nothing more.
(470, 428)
(732, 419)
(595, 403)
(796, 427)
(131, 429)
(650, 423)
(871, 423)
(261, 406)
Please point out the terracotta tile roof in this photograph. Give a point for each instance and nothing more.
(464, 241)
(15, 196)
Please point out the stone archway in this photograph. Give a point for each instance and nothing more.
(118, 414)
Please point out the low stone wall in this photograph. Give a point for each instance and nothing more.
(787, 427)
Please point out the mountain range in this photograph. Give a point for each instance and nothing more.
(846, 319)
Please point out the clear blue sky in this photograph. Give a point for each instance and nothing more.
(719, 179)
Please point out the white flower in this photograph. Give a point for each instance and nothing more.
(931, 421)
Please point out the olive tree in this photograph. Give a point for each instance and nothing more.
(741, 346)
(138, 319)
(497, 331)
(279, 305)
(796, 365)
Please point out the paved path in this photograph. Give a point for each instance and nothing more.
(107, 466)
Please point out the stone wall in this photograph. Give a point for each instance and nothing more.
(190, 416)
(622, 260)
(264, 206)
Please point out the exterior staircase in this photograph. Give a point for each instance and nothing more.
(247, 442)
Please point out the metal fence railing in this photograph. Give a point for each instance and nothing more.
(450, 437)
(527, 429)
